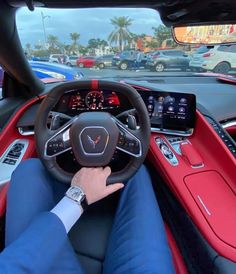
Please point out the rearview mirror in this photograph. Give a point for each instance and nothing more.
(205, 34)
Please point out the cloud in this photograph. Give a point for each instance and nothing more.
(90, 23)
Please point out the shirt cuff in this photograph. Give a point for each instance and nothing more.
(68, 211)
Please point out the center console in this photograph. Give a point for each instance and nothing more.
(200, 169)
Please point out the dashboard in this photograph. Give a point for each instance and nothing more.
(168, 111)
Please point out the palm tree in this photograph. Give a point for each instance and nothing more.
(121, 34)
(74, 36)
(52, 41)
(28, 47)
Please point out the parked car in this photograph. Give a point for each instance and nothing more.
(86, 61)
(40, 59)
(47, 70)
(59, 58)
(50, 71)
(171, 58)
(125, 59)
(72, 60)
(58, 71)
(104, 61)
(219, 59)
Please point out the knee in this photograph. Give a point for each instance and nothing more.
(27, 171)
(141, 175)
(27, 167)
(141, 179)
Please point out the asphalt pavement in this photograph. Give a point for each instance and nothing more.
(115, 72)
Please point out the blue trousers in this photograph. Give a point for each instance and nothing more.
(137, 243)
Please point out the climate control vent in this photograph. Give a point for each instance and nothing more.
(229, 142)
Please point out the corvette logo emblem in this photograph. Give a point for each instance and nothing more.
(94, 142)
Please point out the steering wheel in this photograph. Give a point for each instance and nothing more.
(92, 136)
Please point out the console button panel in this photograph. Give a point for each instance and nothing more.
(58, 144)
(166, 151)
(176, 141)
(129, 144)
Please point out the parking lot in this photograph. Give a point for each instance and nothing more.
(115, 72)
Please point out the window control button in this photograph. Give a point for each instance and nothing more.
(14, 154)
(9, 161)
(12, 162)
(6, 161)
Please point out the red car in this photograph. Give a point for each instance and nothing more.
(86, 61)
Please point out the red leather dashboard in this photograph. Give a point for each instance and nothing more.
(207, 193)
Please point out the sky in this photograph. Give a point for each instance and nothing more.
(90, 23)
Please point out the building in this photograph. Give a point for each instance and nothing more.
(101, 50)
(143, 41)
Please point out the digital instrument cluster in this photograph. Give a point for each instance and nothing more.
(170, 110)
(75, 101)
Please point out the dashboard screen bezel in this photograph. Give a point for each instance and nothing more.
(182, 129)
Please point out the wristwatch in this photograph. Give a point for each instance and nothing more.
(76, 194)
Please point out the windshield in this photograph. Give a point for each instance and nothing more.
(68, 44)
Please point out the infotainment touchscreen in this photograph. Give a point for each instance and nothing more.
(170, 110)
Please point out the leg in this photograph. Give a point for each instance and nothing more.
(138, 244)
(137, 65)
(32, 191)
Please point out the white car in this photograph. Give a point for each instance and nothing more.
(219, 59)
(58, 58)
(72, 60)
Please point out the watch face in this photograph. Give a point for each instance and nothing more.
(75, 193)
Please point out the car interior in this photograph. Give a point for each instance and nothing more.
(182, 127)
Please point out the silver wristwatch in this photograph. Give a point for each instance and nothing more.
(76, 194)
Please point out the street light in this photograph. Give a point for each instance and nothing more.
(44, 30)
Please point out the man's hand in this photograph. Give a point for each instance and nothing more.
(93, 182)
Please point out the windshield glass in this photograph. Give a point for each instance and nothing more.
(68, 44)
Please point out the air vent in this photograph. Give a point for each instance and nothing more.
(223, 135)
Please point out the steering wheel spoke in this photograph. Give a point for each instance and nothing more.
(59, 142)
(128, 140)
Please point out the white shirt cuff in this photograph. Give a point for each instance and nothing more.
(68, 211)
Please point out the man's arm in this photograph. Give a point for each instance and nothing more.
(36, 250)
(93, 183)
